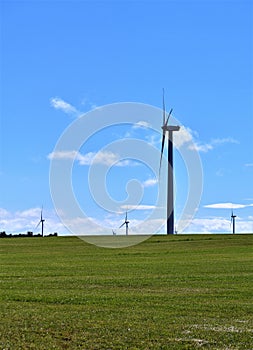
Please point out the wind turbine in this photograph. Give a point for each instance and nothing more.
(126, 222)
(170, 186)
(42, 222)
(233, 221)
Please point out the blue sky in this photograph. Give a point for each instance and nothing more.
(61, 59)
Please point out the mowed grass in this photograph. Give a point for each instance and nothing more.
(169, 292)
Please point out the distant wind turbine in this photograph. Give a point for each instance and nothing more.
(126, 222)
(233, 221)
(170, 186)
(42, 222)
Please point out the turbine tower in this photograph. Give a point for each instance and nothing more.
(126, 222)
(233, 221)
(42, 222)
(170, 186)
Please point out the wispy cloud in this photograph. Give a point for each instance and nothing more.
(153, 140)
(227, 206)
(190, 138)
(141, 124)
(135, 128)
(224, 140)
(69, 155)
(201, 147)
(107, 158)
(102, 157)
(249, 165)
(138, 207)
(88, 104)
(59, 103)
(127, 162)
(206, 147)
(150, 182)
(220, 172)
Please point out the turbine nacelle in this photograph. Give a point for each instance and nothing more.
(170, 128)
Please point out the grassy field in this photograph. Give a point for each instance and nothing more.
(169, 292)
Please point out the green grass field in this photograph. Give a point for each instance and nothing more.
(169, 292)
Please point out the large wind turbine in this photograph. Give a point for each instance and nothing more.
(42, 223)
(170, 187)
(126, 222)
(233, 221)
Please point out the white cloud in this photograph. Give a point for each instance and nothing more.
(101, 157)
(106, 158)
(190, 137)
(86, 159)
(219, 225)
(29, 213)
(4, 213)
(102, 226)
(147, 227)
(183, 136)
(201, 147)
(64, 155)
(27, 220)
(150, 182)
(227, 206)
(209, 225)
(127, 162)
(224, 140)
(205, 147)
(58, 103)
(85, 226)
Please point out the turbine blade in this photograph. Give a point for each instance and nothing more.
(122, 224)
(163, 109)
(38, 224)
(169, 116)
(126, 217)
(163, 141)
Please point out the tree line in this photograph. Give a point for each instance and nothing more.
(3, 234)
